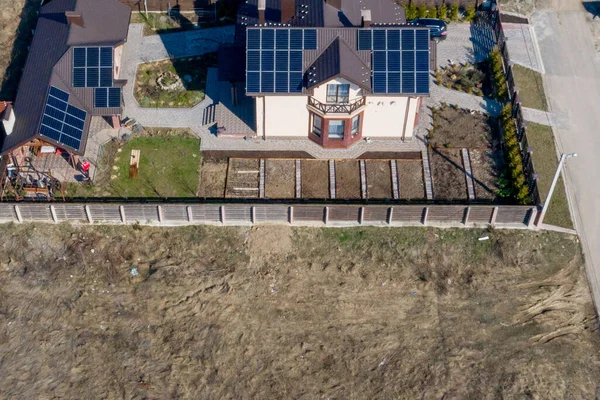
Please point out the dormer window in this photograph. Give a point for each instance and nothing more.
(338, 93)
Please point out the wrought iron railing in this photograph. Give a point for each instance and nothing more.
(347, 108)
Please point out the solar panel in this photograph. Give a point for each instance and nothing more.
(79, 57)
(253, 82)
(267, 60)
(267, 82)
(422, 82)
(62, 122)
(78, 77)
(282, 61)
(114, 97)
(365, 38)
(296, 39)
(379, 42)
(92, 66)
(282, 39)
(295, 82)
(106, 77)
(253, 39)
(93, 57)
(267, 41)
(295, 61)
(92, 77)
(310, 39)
(281, 82)
(106, 57)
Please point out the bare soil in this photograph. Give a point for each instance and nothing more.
(486, 166)
(448, 175)
(458, 128)
(410, 179)
(315, 179)
(379, 180)
(213, 175)
(276, 312)
(347, 180)
(280, 179)
(243, 178)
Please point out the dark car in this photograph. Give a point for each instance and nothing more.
(438, 30)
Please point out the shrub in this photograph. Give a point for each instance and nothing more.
(432, 12)
(421, 12)
(443, 12)
(454, 12)
(498, 76)
(411, 12)
(518, 181)
(470, 13)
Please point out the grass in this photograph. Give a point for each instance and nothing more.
(531, 88)
(169, 167)
(541, 139)
(191, 71)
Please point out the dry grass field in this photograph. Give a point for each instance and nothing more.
(276, 312)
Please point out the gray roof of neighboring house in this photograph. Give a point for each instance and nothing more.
(106, 23)
(382, 12)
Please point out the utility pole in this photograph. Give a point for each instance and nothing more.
(563, 157)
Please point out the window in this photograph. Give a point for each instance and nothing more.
(336, 129)
(355, 125)
(317, 123)
(338, 93)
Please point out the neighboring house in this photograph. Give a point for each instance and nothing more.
(71, 74)
(334, 71)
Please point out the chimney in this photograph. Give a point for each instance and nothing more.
(366, 18)
(288, 10)
(74, 17)
(262, 6)
(337, 4)
(8, 119)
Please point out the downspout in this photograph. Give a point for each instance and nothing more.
(264, 118)
(406, 112)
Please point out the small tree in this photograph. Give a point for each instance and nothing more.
(432, 12)
(421, 12)
(470, 13)
(411, 12)
(454, 12)
(443, 12)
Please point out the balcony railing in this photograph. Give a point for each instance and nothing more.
(348, 108)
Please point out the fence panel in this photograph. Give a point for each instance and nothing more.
(309, 213)
(408, 213)
(70, 212)
(7, 212)
(174, 212)
(481, 214)
(344, 214)
(273, 213)
(105, 212)
(513, 215)
(238, 213)
(206, 213)
(35, 212)
(140, 212)
(446, 214)
(376, 214)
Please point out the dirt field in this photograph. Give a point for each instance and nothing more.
(243, 178)
(457, 128)
(410, 179)
(280, 179)
(448, 175)
(347, 180)
(379, 180)
(213, 175)
(486, 165)
(315, 179)
(293, 313)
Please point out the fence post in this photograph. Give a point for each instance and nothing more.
(190, 216)
(494, 215)
(467, 212)
(361, 215)
(326, 216)
(160, 214)
(291, 210)
(222, 212)
(425, 215)
(253, 214)
(390, 216)
(18, 214)
(122, 212)
(88, 214)
(53, 213)
(532, 217)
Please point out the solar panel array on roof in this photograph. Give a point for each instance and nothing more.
(107, 97)
(274, 59)
(62, 121)
(92, 66)
(400, 59)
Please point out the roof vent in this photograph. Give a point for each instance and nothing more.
(74, 18)
(366, 18)
(262, 6)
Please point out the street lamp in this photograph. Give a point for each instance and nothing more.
(563, 157)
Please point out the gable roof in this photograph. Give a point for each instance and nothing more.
(106, 22)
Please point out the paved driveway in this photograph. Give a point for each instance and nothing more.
(573, 87)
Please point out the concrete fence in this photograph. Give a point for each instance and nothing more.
(167, 214)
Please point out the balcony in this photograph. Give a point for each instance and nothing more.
(347, 108)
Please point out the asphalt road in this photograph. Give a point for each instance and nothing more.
(572, 83)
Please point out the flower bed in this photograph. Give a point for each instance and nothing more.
(469, 78)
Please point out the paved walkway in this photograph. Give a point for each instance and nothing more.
(440, 94)
(538, 116)
(522, 45)
(140, 49)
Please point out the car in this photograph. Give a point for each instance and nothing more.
(438, 30)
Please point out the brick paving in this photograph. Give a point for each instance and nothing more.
(523, 47)
(538, 116)
(427, 175)
(468, 173)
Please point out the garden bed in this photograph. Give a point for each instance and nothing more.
(347, 180)
(486, 166)
(176, 83)
(460, 128)
(280, 179)
(448, 175)
(379, 180)
(410, 180)
(469, 78)
(213, 174)
(243, 178)
(315, 179)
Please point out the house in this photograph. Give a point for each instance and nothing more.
(71, 75)
(333, 71)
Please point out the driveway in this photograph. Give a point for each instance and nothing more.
(573, 88)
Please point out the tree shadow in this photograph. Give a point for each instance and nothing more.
(18, 55)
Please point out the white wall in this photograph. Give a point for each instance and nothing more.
(285, 116)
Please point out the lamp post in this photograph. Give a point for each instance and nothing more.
(563, 157)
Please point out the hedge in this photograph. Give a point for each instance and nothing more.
(520, 189)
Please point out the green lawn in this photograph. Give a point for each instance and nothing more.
(545, 162)
(531, 88)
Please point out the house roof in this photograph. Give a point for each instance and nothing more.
(49, 63)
